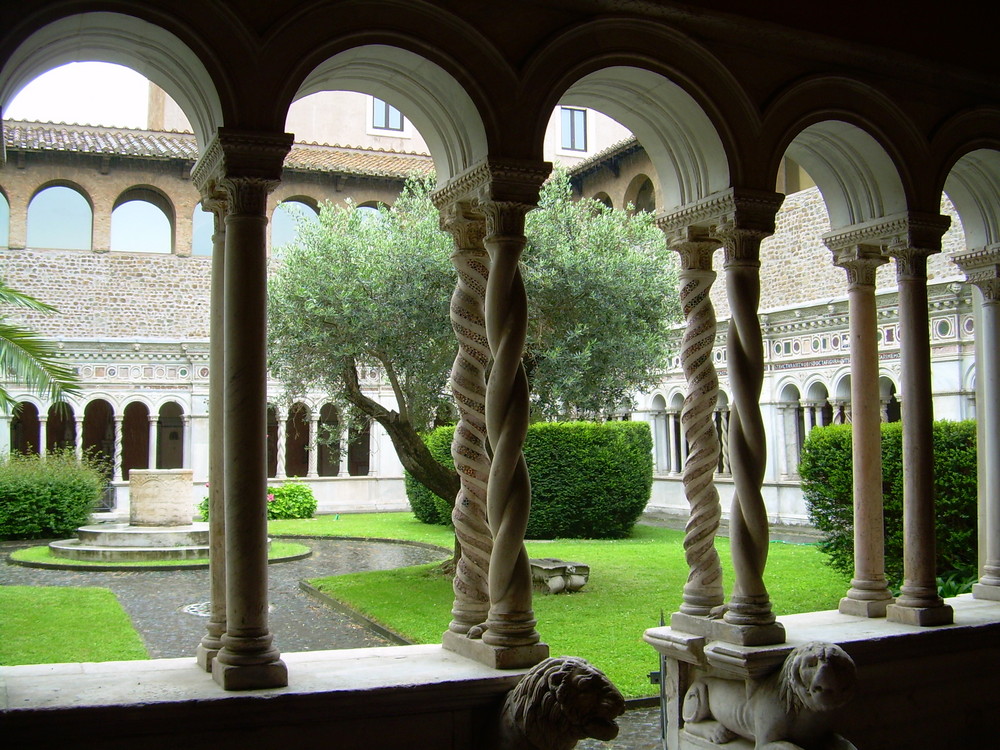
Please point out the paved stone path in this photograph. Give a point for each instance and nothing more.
(159, 602)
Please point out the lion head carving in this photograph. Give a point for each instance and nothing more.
(817, 677)
(558, 702)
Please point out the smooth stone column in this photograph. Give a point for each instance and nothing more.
(869, 593)
(782, 440)
(154, 423)
(672, 467)
(342, 468)
(186, 440)
(43, 435)
(211, 642)
(918, 602)
(982, 268)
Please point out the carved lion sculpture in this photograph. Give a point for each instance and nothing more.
(556, 704)
(790, 709)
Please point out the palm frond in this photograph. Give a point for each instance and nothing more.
(29, 360)
(10, 296)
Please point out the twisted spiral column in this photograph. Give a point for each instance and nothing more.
(511, 621)
(749, 603)
(468, 449)
(703, 589)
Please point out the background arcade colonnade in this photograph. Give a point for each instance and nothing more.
(716, 119)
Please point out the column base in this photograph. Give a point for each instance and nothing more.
(864, 607)
(250, 676)
(921, 616)
(496, 657)
(205, 656)
(748, 635)
(986, 591)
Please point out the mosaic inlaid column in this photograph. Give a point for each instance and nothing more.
(703, 589)
(249, 167)
(982, 268)
(511, 620)
(117, 462)
(313, 469)
(77, 439)
(748, 611)
(468, 449)
(918, 602)
(211, 642)
(281, 419)
(869, 593)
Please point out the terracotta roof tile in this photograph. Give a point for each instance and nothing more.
(147, 144)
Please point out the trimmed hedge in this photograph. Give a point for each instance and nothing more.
(827, 487)
(46, 498)
(291, 500)
(589, 480)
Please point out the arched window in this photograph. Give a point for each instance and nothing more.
(605, 199)
(135, 438)
(141, 223)
(645, 198)
(59, 218)
(4, 221)
(170, 437)
(285, 221)
(202, 229)
(99, 433)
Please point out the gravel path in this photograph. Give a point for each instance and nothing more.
(164, 608)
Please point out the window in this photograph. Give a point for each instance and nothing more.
(138, 226)
(385, 116)
(59, 218)
(574, 129)
(286, 219)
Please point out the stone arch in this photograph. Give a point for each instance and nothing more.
(890, 406)
(430, 97)
(283, 225)
(170, 436)
(148, 49)
(857, 145)
(297, 440)
(98, 438)
(328, 439)
(143, 220)
(641, 194)
(25, 428)
(658, 403)
(135, 437)
(604, 199)
(60, 216)
(60, 428)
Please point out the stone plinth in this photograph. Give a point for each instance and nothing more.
(160, 497)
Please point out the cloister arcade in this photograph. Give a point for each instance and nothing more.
(882, 129)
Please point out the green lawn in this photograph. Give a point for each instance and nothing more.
(368, 526)
(44, 624)
(632, 581)
(42, 554)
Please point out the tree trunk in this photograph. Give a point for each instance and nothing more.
(413, 454)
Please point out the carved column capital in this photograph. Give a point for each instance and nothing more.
(244, 165)
(693, 244)
(982, 268)
(911, 238)
(860, 262)
(466, 225)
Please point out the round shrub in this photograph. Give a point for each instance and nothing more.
(828, 490)
(588, 480)
(47, 498)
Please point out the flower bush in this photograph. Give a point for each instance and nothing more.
(291, 500)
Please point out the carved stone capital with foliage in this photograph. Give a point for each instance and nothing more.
(245, 165)
(982, 268)
(860, 262)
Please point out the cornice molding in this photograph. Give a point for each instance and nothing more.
(495, 180)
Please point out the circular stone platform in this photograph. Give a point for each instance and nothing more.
(119, 542)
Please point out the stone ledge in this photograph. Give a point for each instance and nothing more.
(364, 698)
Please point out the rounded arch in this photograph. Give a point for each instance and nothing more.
(433, 100)
(26, 428)
(60, 216)
(170, 435)
(135, 437)
(973, 185)
(143, 220)
(641, 194)
(676, 401)
(658, 403)
(328, 440)
(604, 198)
(861, 149)
(842, 387)
(682, 143)
(297, 440)
(285, 218)
(817, 391)
(148, 49)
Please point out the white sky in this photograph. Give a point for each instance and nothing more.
(87, 93)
